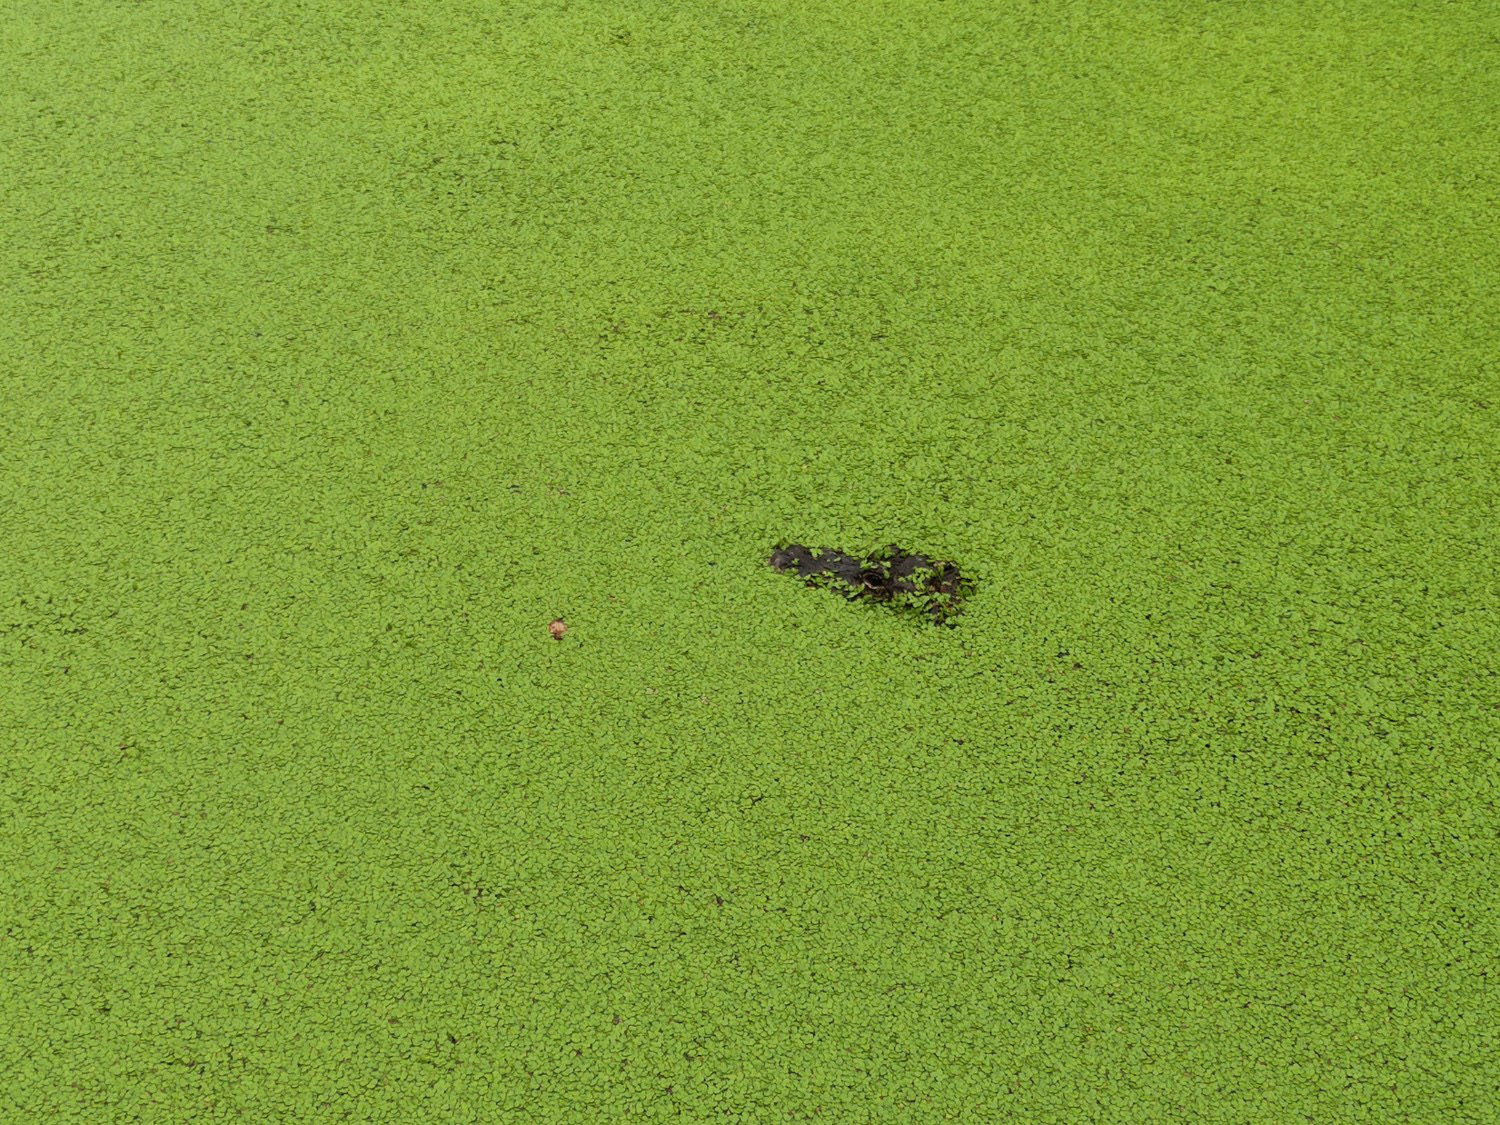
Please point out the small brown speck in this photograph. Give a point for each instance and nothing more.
(557, 629)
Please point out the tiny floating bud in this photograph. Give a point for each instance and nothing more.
(557, 629)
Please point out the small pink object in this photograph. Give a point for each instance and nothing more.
(557, 629)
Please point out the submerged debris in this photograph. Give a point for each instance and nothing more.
(889, 575)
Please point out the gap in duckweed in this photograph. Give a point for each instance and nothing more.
(901, 580)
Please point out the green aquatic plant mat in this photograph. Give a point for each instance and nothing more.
(346, 348)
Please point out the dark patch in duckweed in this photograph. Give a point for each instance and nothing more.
(890, 576)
